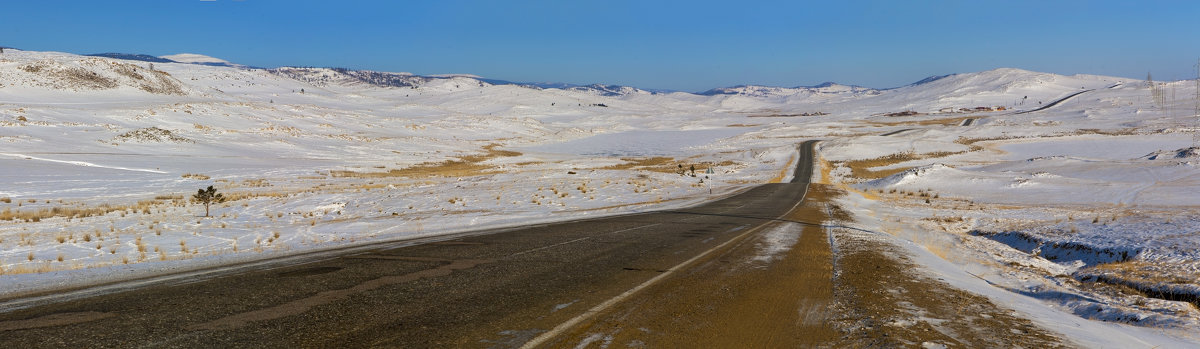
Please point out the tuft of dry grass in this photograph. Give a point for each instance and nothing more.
(970, 142)
(656, 164)
(863, 168)
(74, 211)
(664, 164)
(1117, 132)
(196, 176)
(1147, 272)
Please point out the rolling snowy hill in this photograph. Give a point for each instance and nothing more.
(1049, 178)
(828, 88)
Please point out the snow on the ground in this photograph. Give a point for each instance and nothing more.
(777, 241)
(1088, 207)
(98, 170)
(1090, 320)
(193, 58)
(1080, 216)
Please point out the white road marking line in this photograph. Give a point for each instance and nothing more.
(613, 301)
(580, 239)
(551, 246)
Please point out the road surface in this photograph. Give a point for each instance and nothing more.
(1054, 103)
(502, 289)
(896, 132)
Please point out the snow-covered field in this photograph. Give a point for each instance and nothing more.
(1087, 207)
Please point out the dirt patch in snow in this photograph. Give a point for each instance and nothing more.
(151, 135)
(883, 301)
(865, 169)
(470, 165)
(955, 121)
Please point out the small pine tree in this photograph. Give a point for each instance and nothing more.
(208, 197)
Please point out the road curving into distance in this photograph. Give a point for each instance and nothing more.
(512, 288)
(1056, 102)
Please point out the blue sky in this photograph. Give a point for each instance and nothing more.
(679, 45)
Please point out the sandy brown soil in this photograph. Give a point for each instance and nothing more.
(883, 301)
(868, 295)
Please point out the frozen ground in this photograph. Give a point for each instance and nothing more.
(1082, 212)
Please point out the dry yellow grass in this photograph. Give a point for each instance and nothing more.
(242, 195)
(970, 142)
(863, 168)
(929, 122)
(826, 169)
(1120, 132)
(1148, 272)
(656, 164)
(44, 213)
(195, 176)
(76, 211)
(664, 164)
(783, 172)
(470, 165)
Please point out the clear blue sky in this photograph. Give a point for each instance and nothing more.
(680, 45)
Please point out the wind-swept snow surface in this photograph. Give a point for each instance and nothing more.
(1080, 212)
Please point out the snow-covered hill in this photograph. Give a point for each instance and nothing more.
(1013, 88)
(53, 72)
(609, 90)
(828, 88)
(194, 58)
(98, 157)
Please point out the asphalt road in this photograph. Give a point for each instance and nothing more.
(896, 132)
(499, 289)
(1056, 102)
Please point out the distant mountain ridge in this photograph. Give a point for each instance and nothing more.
(321, 76)
(132, 57)
(931, 79)
(345, 76)
(829, 88)
(349, 77)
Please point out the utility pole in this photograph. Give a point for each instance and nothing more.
(1196, 111)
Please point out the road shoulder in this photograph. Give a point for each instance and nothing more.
(883, 299)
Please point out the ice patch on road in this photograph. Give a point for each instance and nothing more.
(564, 305)
(593, 338)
